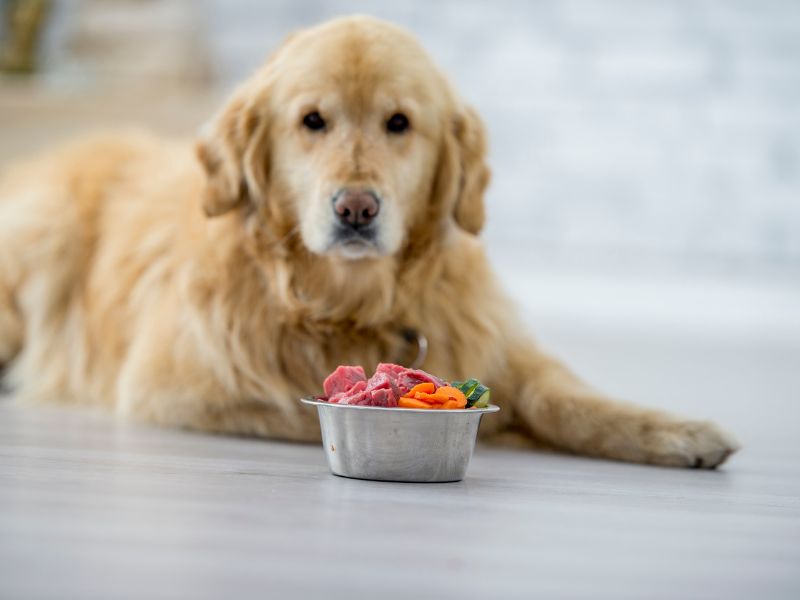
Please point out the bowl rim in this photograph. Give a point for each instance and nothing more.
(492, 408)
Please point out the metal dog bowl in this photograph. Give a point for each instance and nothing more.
(398, 444)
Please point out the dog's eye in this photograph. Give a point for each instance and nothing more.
(314, 121)
(397, 123)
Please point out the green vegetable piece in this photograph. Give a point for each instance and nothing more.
(483, 401)
(469, 386)
(476, 394)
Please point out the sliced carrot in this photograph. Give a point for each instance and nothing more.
(432, 398)
(453, 394)
(423, 396)
(412, 403)
(426, 388)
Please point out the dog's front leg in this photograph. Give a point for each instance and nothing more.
(562, 411)
(210, 409)
(167, 384)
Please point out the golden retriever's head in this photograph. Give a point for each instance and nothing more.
(350, 136)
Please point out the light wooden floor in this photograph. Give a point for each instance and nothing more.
(95, 508)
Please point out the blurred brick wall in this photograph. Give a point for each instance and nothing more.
(126, 45)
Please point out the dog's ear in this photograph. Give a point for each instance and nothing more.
(233, 153)
(473, 171)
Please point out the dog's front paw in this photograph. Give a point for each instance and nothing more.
(693, 444)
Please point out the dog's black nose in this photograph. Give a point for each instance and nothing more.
(356, 208)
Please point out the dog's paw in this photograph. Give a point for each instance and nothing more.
(693, 444)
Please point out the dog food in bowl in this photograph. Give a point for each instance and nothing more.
(400, 424)
(396, 386)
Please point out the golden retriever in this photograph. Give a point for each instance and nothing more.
(332, 205)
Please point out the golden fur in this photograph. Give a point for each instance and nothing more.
(185, 288)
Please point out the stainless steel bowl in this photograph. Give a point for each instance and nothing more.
(398, 444)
